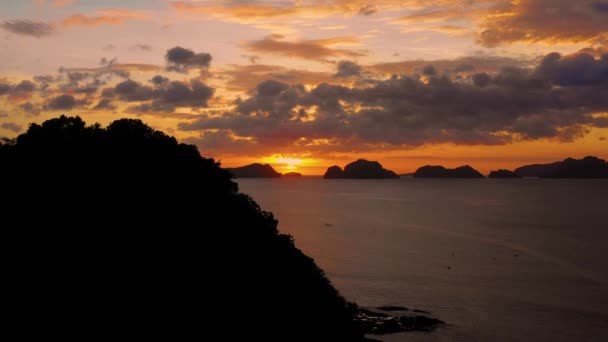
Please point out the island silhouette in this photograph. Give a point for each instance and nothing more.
(441, 172)
(504, 174)
(123, 231)
(360, 169)
(254, 171)
(588, 167)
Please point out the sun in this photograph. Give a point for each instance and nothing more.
(286, 163)
(289, 163)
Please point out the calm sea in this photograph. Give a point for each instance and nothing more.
(498, 260)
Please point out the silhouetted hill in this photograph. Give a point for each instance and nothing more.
(538, 170)
(441, 172)
(334, 172)
(292, 175)
(360, 169)
(121, 231)
(254, 171)
(503, 174)
(588, 167)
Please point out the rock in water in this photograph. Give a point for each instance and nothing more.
(441, 172)
(360, 169)
(503, 174)
(364, 169)
(254, 171)
(334, 172)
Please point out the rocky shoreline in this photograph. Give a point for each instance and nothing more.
(375, 321)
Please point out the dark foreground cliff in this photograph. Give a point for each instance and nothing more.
(123, 232)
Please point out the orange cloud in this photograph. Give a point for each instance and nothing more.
(307, 49)
(61, 3)
(489, 64)
(106, 16)
(551, 21)
(246, 77)
(308, 9)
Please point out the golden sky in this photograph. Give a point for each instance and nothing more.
(306, 84)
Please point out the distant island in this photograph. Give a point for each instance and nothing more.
(254, 171)
(360, 169)
(441, 172)
(503, 174)
(292, 175)
(588, 167)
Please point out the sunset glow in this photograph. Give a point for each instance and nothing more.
(304, 85)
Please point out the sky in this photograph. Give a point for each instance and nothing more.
(306, 84)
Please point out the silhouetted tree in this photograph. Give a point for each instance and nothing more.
(122, 232)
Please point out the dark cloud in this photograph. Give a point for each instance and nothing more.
(165, 95)
(600, 6)
(88, 81)
(429, 70)
(11, 126)
(348, 69)
(104, 104)
(62, 102)
(479, 63)
(515, 104)
(143, 47)
(482, 79)
(23, 87)
(130, 90)
(579, 69)
(3, 115)
(181, 59)
(36, 29)
(30, 109)
(159, 80)
(45, 78)
(368, 9)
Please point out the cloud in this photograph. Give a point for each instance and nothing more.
(550, 21)
(36, 29)
(319, 50)
(104, 104)
(249, 11)
(131, 91)
(348, 69)
(368, 9)
(514, 104)
(143, 47)
(103, 17)
(181, 59)
(600, 6)
(479, 63)
(62, 3)
(25, 87)
(11, 126)
(246, 77)
(165, 95)
(30, 109)
(63, 102)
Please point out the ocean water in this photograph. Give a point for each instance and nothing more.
(498, 260)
